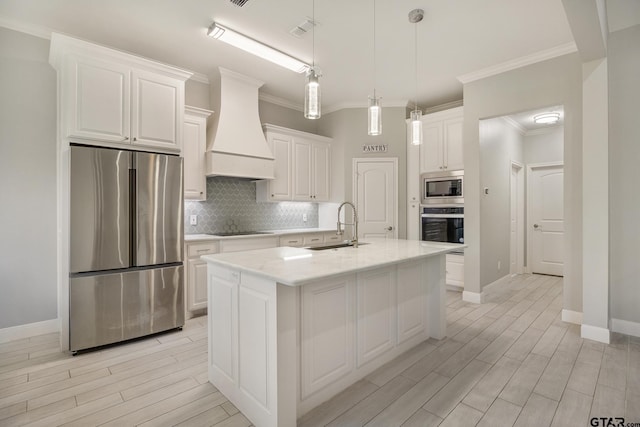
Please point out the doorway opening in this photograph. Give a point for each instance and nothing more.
(521, 207)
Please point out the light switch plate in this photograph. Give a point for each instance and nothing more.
(193, 219)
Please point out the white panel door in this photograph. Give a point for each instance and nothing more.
(546, 219)
(376, 323)
(513, 225)
(376, 197)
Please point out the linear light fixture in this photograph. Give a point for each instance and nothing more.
(546, 118)
(256, 48)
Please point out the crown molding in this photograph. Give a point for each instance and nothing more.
(517, 126)
(523, 61)
(23, 27)
(344, 105)
(445, 106)
(272, 99)
(543, 130)
(200, 78)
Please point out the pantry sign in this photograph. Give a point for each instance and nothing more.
(375, 148)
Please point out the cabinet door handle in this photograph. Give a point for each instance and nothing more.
(135, 139)
(203, 250)
(389, 228)
(126, 138)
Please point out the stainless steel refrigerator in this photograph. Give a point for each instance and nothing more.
(126, 245)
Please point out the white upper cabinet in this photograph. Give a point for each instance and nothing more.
(302, 167)
(111, 98)
(99, 94)
(442, 145)
(193, 151)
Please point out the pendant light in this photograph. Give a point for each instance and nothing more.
(416, 16)
(374, 113)
(312, 87)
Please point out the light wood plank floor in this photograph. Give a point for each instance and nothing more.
(508, 362)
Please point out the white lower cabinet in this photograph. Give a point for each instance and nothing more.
(196, 274)
(455, 270)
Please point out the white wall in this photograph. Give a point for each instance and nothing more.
(552, 82)
(545, 145)
(28, 286)
(348, 128)
(624, 174)
(500, 143)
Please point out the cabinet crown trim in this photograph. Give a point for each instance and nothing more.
(293, 132)
(197, 111)
(62, 46)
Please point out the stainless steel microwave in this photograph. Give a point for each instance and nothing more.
(442, 187)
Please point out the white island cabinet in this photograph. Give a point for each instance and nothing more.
(290, 327)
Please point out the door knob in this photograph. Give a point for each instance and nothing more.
(389, 228)
(535, 226)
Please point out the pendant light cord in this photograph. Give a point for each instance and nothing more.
(416, 63)
(374, 48)
(313, 35)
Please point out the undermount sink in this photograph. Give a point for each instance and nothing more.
(336, 246)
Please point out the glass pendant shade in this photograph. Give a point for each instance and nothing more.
(312, 96)
(416, 127)
(375, 116)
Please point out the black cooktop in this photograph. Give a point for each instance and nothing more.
(239, 233)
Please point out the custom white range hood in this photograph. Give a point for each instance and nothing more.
(238, 147)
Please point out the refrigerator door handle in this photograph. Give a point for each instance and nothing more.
(133, 227)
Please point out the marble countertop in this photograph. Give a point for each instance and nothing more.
(298, 266)
(271, 233)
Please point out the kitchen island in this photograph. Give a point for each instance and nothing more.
(291, 327)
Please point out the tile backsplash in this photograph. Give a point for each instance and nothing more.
(231, 206)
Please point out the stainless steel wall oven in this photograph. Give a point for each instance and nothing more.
(442, 224)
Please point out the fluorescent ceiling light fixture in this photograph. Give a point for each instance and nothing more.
(546, 118)
(256, 48)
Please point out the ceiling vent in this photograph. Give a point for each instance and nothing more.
(239, 3)
(303, 28)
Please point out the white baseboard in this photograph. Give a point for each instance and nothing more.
(572, 316)
(495, 285)
(595, 333)
(625, 327)
(473, 297)
(455, 288)
(29, 330)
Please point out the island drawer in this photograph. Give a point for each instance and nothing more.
(313, 239)
(295, 241)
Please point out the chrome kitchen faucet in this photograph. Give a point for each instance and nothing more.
(354, 239)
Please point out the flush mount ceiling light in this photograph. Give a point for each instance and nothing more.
(312, 98)
(374, 114)
(256, 48)
(546, 118)
(415, 16)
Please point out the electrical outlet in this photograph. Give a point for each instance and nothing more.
(304, 217)
(499, 264)
(193, 219)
